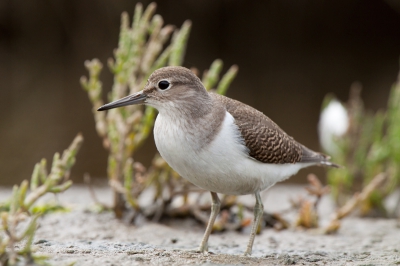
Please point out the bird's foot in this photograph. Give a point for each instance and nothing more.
(201, 250)
(198, 250)
(247, 253)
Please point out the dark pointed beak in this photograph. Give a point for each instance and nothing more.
(136, 98)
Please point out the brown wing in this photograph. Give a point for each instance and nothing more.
(266, 141)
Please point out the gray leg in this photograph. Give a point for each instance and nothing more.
(216, 204)
(258, 213)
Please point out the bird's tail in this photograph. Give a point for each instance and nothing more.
(317, 158)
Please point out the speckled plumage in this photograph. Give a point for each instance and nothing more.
(266, 141)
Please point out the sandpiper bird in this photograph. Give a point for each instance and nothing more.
(218, 144)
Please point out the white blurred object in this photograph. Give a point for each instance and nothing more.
(333, 123)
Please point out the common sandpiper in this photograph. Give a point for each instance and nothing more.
(217, 143)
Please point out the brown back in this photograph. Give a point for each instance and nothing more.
(266, 141)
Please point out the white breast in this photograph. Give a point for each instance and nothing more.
(223, 165)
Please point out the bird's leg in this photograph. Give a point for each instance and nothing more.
(258, 213)
(216, 204)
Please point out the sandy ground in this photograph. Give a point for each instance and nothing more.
(87, 238)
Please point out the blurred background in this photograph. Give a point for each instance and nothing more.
(290, 55)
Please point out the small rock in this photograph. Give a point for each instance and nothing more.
(41, 241)
(288, 260)
(313, 259)
(321, 253)
(134, 252)
(138, 258)
(174, 240)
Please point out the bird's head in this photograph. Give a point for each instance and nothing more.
(167, 89)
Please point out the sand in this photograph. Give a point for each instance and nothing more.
(85, 237)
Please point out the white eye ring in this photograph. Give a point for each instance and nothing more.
(164, 85)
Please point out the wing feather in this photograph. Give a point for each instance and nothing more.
(266, 141)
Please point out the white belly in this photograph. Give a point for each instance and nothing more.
(223, 165)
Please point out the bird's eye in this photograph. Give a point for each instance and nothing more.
(163, 84)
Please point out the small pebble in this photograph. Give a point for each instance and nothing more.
(41, 241)
(138, 258)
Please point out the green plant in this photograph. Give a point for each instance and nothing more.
(140, 51)
(369, 147)
(21, 208)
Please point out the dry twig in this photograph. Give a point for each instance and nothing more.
(352, 204)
